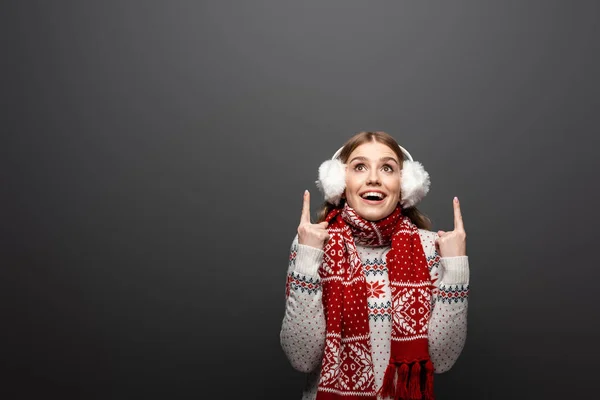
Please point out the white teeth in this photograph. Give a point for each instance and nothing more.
(376, 194)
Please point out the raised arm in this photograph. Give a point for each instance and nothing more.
(449, 266)
(303, 328)
(448, 322)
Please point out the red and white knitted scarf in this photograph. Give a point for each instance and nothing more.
(347, 367)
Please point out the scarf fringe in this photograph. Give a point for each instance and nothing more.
(414, 383)
(407, 383)
(428, 393)
(388, 388)
(401, 387)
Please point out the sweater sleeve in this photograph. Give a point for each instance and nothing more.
(448, 321)
(303, 328)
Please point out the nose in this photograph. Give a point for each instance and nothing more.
(373, 178)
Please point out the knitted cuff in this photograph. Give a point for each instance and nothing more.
(456, 270)
(308, 260)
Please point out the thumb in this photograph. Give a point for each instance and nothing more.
(323, 224)
(441, 233)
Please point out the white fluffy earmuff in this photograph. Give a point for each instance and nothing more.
(414, 184)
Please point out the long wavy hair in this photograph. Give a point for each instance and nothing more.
(416, 216)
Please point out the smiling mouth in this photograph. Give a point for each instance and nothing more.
(373, 196)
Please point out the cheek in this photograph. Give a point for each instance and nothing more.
(396, 197)
(352, 181)
(394, 185)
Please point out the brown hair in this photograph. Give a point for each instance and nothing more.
(416, 216)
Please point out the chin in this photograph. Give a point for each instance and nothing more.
(372, 215)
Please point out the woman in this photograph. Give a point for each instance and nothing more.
(375, 301)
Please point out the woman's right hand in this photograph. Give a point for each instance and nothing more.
(309, 234)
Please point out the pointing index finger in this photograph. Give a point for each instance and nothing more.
(306, 208)
(458, 221)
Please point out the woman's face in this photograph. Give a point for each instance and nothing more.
(373, 181)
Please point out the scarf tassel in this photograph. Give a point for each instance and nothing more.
(414, 383)
(407, 384)
(388, 389)
(428, 394)
(401, 387)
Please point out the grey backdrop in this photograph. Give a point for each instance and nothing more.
(154, 156)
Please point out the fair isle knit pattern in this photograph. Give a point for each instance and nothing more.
(453, 293)
(303, 283)
(303, 329)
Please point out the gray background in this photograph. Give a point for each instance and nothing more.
(154, 156)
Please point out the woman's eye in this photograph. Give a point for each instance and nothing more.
(388, 168)
(359, 167)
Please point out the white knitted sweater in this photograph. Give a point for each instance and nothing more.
(303, 328)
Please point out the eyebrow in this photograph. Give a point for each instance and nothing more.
(382, 159)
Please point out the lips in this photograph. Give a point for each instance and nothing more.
(373, 197)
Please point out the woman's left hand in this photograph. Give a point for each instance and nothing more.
(453, 243)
